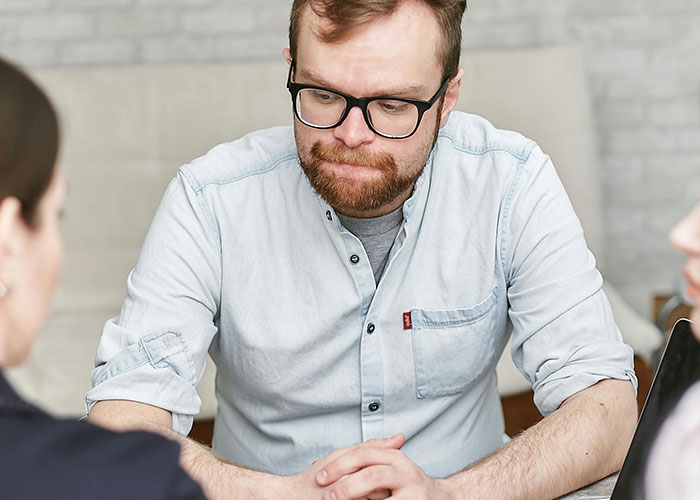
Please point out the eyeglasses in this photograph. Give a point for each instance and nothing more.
(390, 117)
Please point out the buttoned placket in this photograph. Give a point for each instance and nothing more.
(371, 363)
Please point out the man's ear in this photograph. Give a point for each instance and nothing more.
(451, 97)
(287, 55)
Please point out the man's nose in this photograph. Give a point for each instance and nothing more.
(354, 132)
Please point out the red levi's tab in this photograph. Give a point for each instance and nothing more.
(407, 324)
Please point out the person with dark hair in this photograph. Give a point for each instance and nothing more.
(42, 457)
(358, 275)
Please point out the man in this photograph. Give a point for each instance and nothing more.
(354, 280)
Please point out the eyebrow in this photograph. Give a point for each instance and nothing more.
(410, 90)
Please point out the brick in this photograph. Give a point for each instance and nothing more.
(244, 48)
(644, 139)
(228, 21)
(554, 31)
(273, 20)
(31, 54)
(680, 165)
(623, 170)
(604, 8)
(612, 61)
(96, 52)
(676, 111)
(622, 111)
(627, 222)
(504, 10)
(689, 139)
(673, 6)
(56, 26)
(635, 31)
(676, 60)
(171, 3)
(662, 219)
(648, 85)
(499, 35)
(177, 50)
(22, 6)
(91, 4)
(138, 22)
(692, 188)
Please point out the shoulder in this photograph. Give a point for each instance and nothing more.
(257, 153)
(473, 135)
(79, 460)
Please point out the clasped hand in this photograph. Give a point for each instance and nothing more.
(372, 470)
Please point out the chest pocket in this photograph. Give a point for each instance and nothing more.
(452, 348)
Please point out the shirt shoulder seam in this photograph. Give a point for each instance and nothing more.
(522, 155)
(198, 187)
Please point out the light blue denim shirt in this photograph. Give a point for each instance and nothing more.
(245, 261)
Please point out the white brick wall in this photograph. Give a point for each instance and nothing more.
(643, 59)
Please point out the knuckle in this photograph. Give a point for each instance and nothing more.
(342, 490)
(373, 475)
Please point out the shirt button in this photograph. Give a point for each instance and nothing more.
(370, 328)
(328, 215)
(373, 406)
(354, 259)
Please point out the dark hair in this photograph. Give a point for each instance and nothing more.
(29, 138)
(347, 15)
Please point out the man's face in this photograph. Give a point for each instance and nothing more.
(356, 171)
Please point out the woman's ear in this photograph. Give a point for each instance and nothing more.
(12, 235)
(451, 96)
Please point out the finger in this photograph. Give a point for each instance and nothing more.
(365, 482)
(353, 461)
(394, 442)
(379, 495)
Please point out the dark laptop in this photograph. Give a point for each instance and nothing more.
(678, 370)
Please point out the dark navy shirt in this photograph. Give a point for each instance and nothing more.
(42, 457)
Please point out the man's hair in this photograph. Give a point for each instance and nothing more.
(28, 140)
(345, 16)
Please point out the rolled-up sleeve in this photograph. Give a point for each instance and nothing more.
(154, 352)
(564, 334)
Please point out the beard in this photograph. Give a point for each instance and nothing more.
(391, 180)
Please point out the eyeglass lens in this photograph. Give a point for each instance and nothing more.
(323, 108)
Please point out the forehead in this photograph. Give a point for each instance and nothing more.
(398, 48)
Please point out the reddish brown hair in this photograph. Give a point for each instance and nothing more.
(28, 140)
(347, 15)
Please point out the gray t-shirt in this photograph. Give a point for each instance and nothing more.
(377, 236)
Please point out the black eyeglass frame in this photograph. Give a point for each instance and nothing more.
(362, 103)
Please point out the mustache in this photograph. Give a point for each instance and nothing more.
(338, 154)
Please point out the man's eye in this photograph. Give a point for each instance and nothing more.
(394, 107)
(324, 97)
